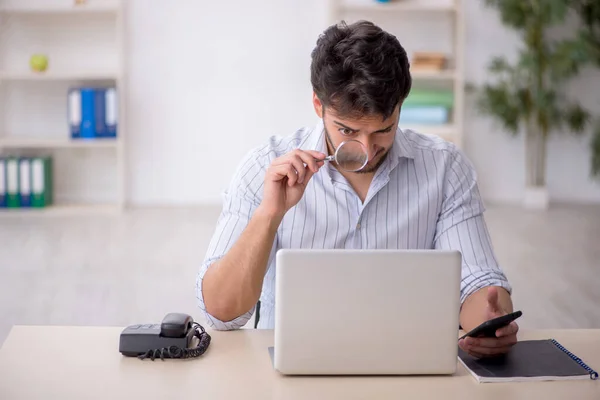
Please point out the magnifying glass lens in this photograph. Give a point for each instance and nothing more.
(351, 156)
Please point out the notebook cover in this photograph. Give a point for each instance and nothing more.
(527, 360)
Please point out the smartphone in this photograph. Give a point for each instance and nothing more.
(489, 328)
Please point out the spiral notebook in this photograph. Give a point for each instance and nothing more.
(529, 360)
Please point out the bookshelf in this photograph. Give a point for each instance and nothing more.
(64, 210)
(84, 43)
(59, 76)
(420, 26)
(33, 142)
(400, 6)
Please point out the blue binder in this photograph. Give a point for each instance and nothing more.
(3, 183)
(92, 112)
(424, 115)
(88, 116)
(100, 130)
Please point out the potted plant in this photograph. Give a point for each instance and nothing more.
(526, 96)
(589, 14)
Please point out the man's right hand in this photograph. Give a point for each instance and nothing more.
(287, 178)
(232, 285)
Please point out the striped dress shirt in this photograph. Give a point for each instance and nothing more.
(424, 196)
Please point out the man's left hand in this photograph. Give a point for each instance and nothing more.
(506, 337)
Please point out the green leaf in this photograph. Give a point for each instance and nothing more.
(591, 44)
(498, 102)
(553, 11)
(545, 101)
(499, 65)
(568, 57)
(513, 13)
(547, 110)
(527, 60)
(589, 10)
(577, 118)
(589, 13)
(523, 101)
(595, 148)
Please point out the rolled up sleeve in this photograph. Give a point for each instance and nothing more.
(212, 321)
(239, 203)
(461, 226)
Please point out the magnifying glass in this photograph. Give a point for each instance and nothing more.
(351, 156)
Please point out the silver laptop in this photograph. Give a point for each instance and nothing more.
(367, 312)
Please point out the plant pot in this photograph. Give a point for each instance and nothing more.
(536, 198)
(536, 193)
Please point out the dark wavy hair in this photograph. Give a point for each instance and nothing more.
(359, 69)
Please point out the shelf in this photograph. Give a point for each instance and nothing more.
(92, 8)
(448, 131)
(400, 6)
(89, 173)
(445, 75)
(62, 210)
(58, 76)
(45, 143)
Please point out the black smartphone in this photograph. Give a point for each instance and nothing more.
(489, 328)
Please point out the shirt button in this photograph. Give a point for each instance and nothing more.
(358, 226)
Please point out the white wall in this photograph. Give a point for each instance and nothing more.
(209, 80)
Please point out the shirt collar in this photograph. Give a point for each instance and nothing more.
(403, 146)
(315, 140)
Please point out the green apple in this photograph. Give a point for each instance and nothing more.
(38, 62)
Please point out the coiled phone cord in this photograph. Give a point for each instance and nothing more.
(178, 352)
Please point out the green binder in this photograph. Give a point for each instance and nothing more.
(41, 182)
(12, 182)
(2, 182)
(430, 97)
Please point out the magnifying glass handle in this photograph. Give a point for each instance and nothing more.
(328, 158)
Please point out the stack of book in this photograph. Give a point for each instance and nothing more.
(428, 61)
(25, 182)
(427, 107)
(93, 112)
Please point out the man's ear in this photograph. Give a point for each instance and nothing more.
(318, 105)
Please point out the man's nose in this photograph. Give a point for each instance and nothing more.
(369, 147)
(371, 150)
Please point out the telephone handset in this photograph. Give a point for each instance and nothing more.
(176, 325)
(172, 338)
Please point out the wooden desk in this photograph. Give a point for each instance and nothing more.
(84, 363)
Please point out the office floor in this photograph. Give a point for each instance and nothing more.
(137, 267)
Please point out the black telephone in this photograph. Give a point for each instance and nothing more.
(171, 339)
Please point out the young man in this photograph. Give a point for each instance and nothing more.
(416, 192)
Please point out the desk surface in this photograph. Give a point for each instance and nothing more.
(84, 362)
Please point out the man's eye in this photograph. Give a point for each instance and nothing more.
(345, 131)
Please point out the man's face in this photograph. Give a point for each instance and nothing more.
(376, 134)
